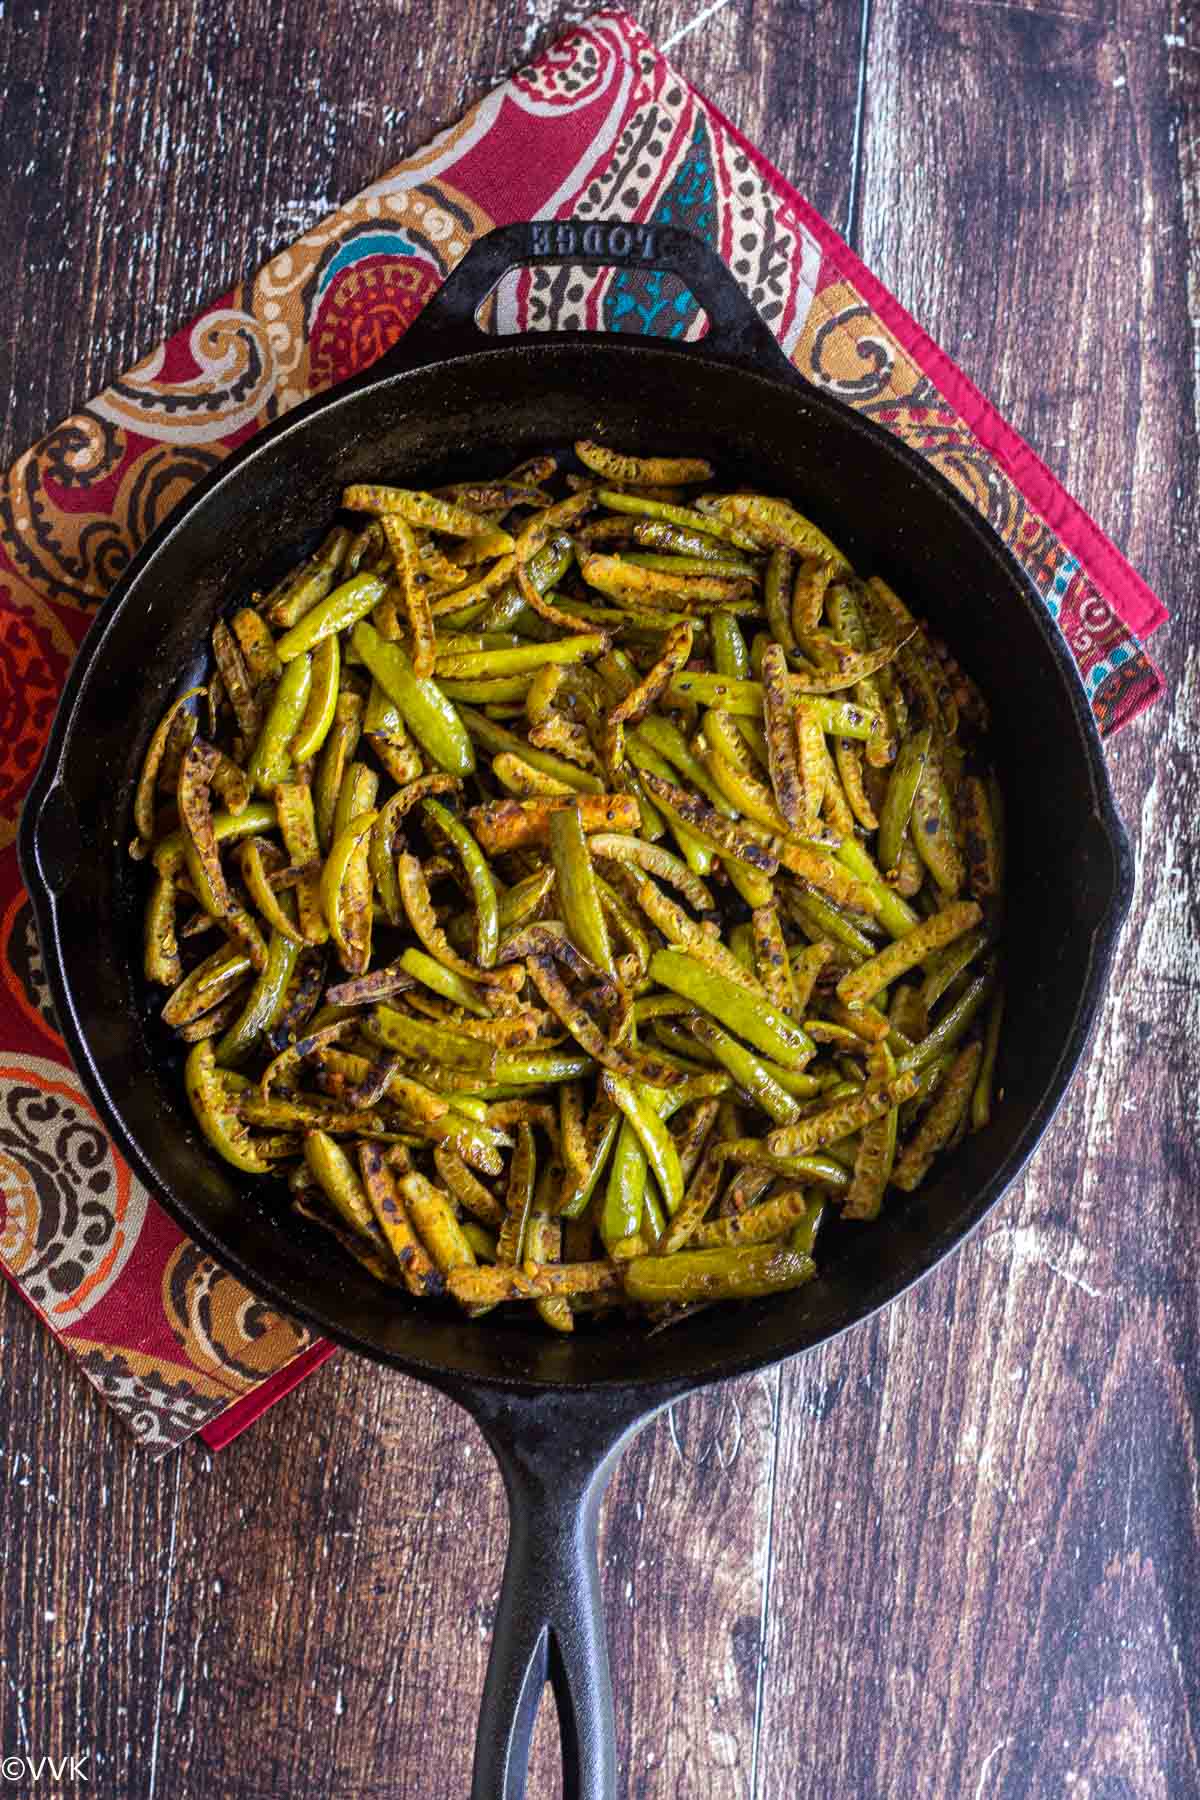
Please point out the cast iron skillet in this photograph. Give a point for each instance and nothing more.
(447, 403)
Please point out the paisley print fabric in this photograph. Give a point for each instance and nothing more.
(599, 125)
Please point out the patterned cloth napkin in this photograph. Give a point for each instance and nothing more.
(599, 125)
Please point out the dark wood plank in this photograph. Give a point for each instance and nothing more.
(972, 1567)
(684, 1564)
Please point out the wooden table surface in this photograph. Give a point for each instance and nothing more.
(955, 1552)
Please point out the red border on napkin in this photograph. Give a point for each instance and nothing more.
(243, 1413)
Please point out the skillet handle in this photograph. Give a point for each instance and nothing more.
(447, 326)
(556, 1452)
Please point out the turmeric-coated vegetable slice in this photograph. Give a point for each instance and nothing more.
(762, 1224)
(504, 825)
(651, 471)
(160, 954)
(940, 1122)
(769, 522)
(587, 1033)
(391, 1215)
(931, 934)
(346, 894)
(793, 796)
(721, 1274)
(194, 799)
(209, 1094)
(247, 708)
(639, 700)
(415, 594)
(416, 508)
(876, 1153)
(840, 1119)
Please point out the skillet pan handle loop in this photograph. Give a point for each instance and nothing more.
(556, 1453)
(447, 326)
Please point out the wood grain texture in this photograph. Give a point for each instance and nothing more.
(954, 1553)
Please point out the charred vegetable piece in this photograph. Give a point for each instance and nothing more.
(346, 894)
(578, 893)
(723, 1274)
(436, 1222)
(841, 1119)
(264, 1002)
(428, 714)
(337, 612)
(793, 790)
(767, 522)
(194, 799)
(231, 664)
(334, 1173)
(939, 1124)
(762, 1224)
(322, 700)
(753, 1019)
(876, 1152)
(577, 1192)
(391, 1215)
(711, 826)
(417, 508)
(152, 766)
(642, 471)
(863, 983)
(479, 879)
(533, 1281)
(211, 1097)
(161, 960)
(504, 825)
(414, 593)
(581, 1025)
(271, 759)
(934, 829)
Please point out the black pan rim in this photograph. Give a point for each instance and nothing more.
(645, 1388)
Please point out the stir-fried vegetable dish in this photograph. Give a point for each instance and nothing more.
(574, 883)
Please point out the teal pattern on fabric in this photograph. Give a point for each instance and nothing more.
(374, 243)
(651, 303)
